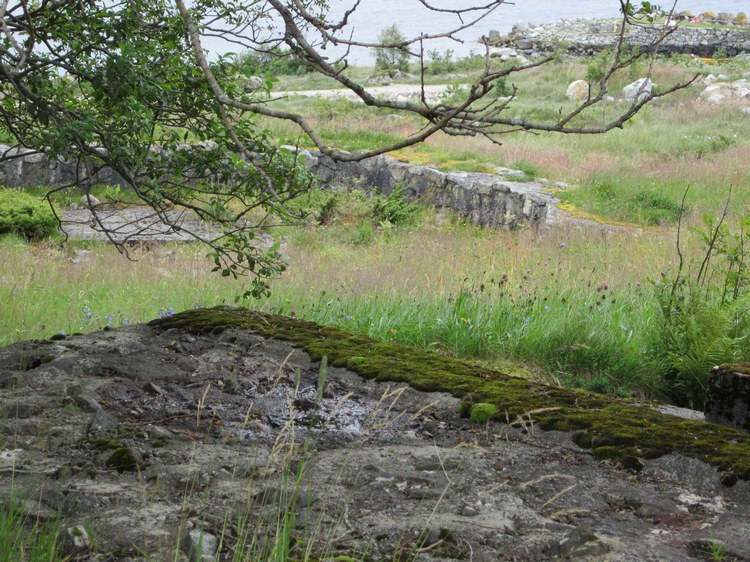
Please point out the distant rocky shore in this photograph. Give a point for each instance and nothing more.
(586, 37)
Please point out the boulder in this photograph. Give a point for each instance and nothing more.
(721, 92)
(504, 53)
(640, 88)
(728, 400)
(90, 201)
(578, 90)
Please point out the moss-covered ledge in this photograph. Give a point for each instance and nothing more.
(614, 429)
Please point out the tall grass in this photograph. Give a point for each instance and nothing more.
(26, 539)
(458, 290)
(45, 292)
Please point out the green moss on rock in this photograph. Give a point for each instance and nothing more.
(743, 368)
(613, 428)
(122, 460)
(104, 444)
(482, 412)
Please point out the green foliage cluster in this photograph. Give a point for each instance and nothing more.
(394, 209)
(440, 63)
(276, 62)
(26, 215)
(142, 88)
(391, 55)
(317, 205)
(627, 200)
(706, 312)
(482, 412)
(326, 207)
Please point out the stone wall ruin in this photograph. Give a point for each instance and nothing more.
(486, 199)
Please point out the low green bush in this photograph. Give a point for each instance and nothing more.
(26, 215)
(706, 314)
(394, 208)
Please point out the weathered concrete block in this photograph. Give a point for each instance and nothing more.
(728, 400)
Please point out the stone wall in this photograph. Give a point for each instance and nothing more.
(586, 37)
(26, 168)
(483, 199)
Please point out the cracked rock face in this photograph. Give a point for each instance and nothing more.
(164, 445)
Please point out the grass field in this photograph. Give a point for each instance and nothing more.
(568, 307)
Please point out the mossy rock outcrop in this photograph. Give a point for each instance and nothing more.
(615, 429)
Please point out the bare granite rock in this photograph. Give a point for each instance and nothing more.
(231, 439)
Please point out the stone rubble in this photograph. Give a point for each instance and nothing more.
(587, 37)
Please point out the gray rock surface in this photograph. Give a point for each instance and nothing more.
(587, 36)
(501, 199)
(728, 400)
(640, 89)
(229, 438)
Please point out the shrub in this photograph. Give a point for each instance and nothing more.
(654, 208)
(741, 19)
(394, 209)
(706, 314)
(316, 205)
(500, 88)
(440, 63)
(391, 58)
(25, 215)
(277, 62)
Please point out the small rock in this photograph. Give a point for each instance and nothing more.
(81, 256)
(200, 546)
(90, 201)
(75, 541)
(88, 402)
(641, 88)
(578, 90)
(152, 388)
(572, 543)
(20, 410)
(103, 423)
(469, 511)
(10, 380)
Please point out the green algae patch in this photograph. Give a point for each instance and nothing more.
(614, 429)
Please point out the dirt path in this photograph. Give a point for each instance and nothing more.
(392, 92)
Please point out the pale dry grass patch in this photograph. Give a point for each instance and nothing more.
(441, 263)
